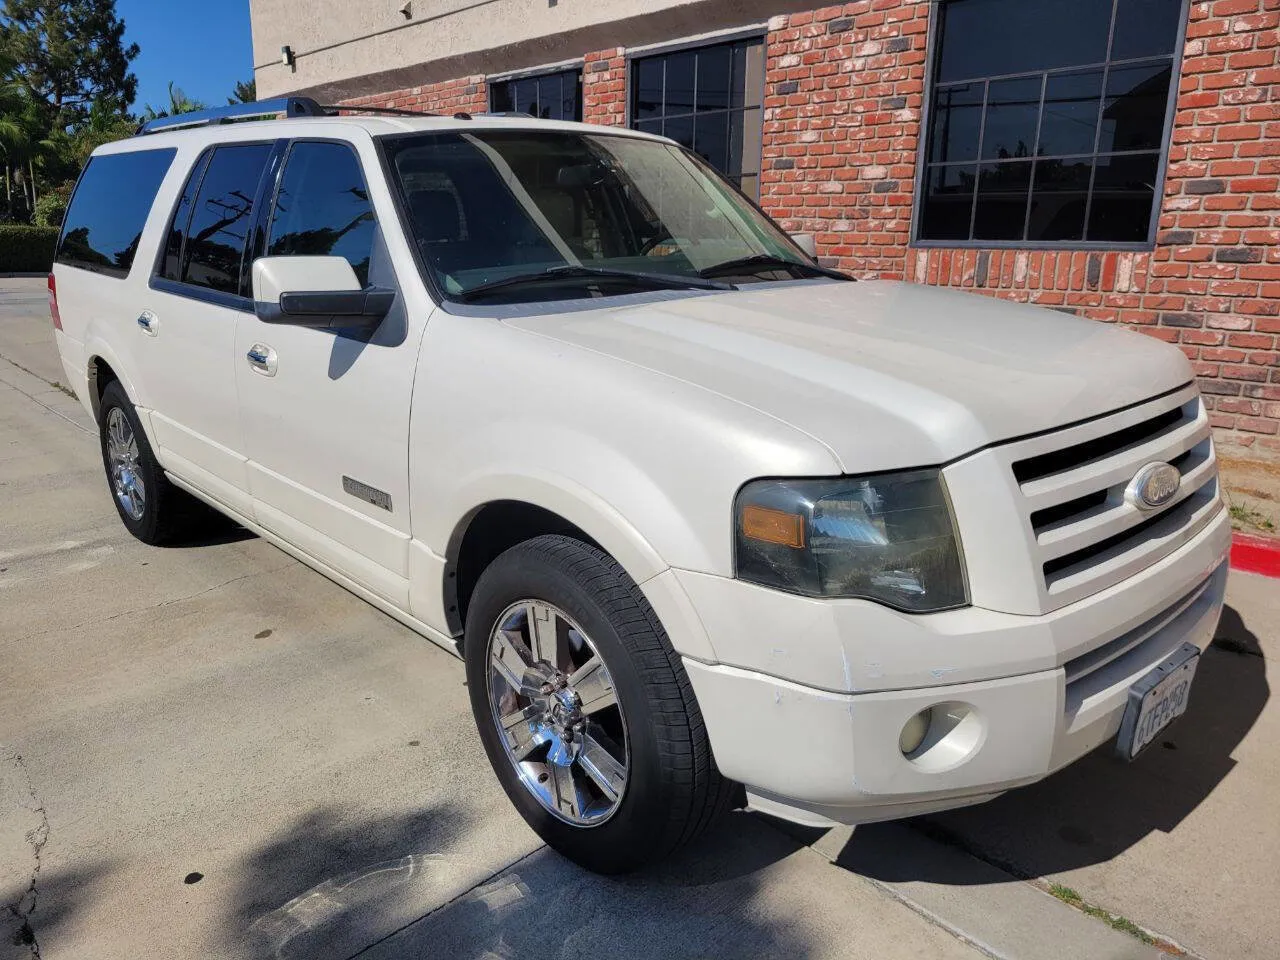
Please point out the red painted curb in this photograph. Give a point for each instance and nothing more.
(1255, 554)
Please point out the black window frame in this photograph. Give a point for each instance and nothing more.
(260, 231)
(114, 273)
(242, 300)
(751, 35)
(924, 144)
(539, 73)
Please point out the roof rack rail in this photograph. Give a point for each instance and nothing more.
(288, 106)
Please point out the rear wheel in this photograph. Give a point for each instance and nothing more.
(151, 508)
(584, 708)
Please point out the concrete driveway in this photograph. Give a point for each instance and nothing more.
(211, 750)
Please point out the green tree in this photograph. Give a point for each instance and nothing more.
(178, 103)
(246, 91)
(67, 55)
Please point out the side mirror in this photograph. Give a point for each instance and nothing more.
(806, 242)
(318, 292)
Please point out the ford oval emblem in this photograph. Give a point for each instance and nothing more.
(1153, 486)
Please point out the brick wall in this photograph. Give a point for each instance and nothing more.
(844, 88)
(843, 103)
(467, 94)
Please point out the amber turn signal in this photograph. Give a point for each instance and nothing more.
(773, 526)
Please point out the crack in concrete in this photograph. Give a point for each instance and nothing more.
(22, 908)
(53, 384)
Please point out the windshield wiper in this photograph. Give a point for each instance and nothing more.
(765, 261)
(571, 271)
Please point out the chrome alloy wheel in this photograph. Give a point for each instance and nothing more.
(557, 713)
(126, 474)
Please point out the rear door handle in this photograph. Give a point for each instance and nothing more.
(147, 322)
(262, 359)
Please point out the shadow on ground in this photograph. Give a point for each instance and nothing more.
(1099, 807)
(32, 916)
(334, 886)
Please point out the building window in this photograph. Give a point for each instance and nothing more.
(548, 96)
(708, 99)
(1047, 121)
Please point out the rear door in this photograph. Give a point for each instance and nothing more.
(198, 290)
(326, 420)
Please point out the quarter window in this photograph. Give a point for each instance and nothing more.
(707, 99)
(1047, 120)
(221, 217)
(322, 207)
(549, 96)
(103, 226)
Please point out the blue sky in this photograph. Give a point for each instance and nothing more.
(204, 48)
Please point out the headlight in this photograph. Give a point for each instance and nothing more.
(888, 538)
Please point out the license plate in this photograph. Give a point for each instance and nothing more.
(1157, 700)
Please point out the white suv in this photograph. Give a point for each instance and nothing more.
(707, 521)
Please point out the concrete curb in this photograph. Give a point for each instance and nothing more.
(1255, 554)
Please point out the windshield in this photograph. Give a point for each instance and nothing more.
(504, 205)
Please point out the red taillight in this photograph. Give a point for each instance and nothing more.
(53, 303)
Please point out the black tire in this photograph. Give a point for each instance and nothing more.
(674, 791)
(168, 514)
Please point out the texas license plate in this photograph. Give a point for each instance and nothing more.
(1157, 700)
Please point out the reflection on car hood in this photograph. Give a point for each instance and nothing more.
(886, 374)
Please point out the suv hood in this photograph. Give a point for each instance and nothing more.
(886, 374)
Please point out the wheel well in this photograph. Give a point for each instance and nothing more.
(493, 529)
(100, 374)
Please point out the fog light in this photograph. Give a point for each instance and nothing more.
(914, 731)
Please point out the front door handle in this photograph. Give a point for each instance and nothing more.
(262, 359)
(147, 323)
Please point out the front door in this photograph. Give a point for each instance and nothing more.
(325, 416)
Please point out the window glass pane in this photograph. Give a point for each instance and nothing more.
(322, 207)
(711, 139)
(104, 224)
(1123, 189)
(748, 74)
(679, 129)
(222, 215)
(957, 121)
(744, 142)
(1058, 198)
(500, 98)
(526, 95)
(1070, 121)
(1145, 28)
(648, 86)
(714, 75)
(1002, 201)
(1133, 114)
(649, 126)
(991, 38)
(171, 267)
(948, 203)
(680, 82)
(1012, 109)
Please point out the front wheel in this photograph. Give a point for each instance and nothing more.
(584, 708)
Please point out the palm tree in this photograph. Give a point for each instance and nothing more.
(179, 102)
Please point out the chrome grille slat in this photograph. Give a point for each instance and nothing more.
(1081, 532)
(1116, 469)
(1072, 534)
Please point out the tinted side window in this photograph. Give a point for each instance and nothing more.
(171, 266)
(109, 209)
(322, 208)
(222, 216)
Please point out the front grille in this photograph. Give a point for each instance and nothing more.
(1086, 536)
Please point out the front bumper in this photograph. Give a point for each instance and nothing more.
(828, 752)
